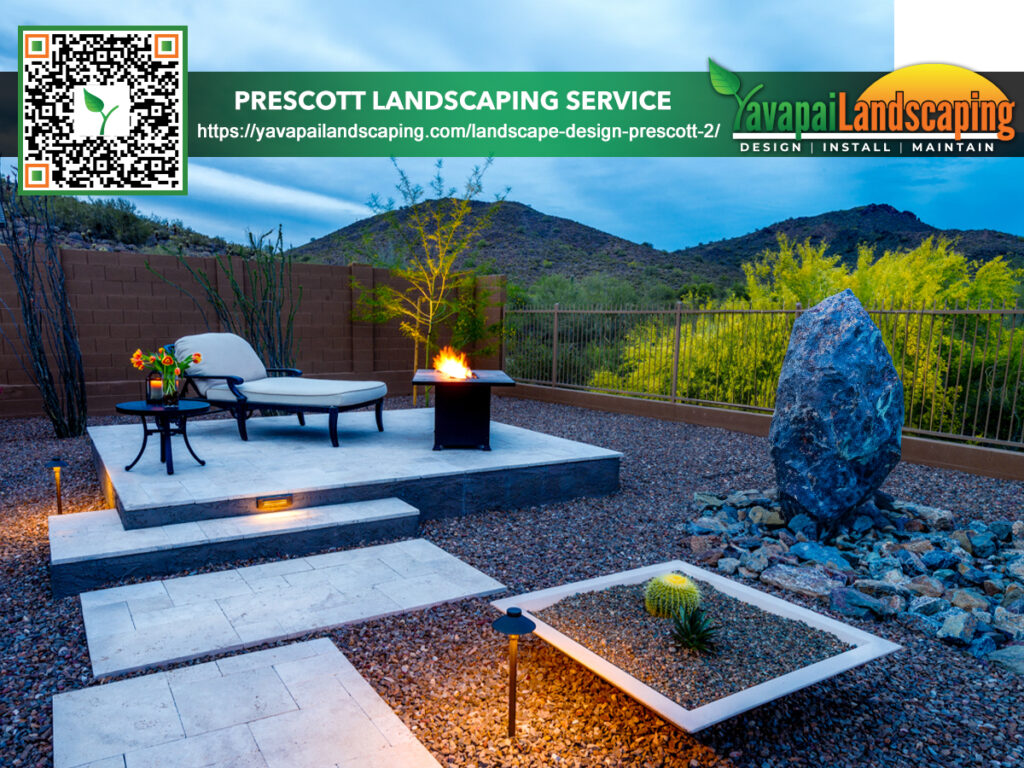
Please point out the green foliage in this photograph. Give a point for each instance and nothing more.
(670, 593)
(596, 290)
(421, 250)
(694, 630)
(959, 370)
(722, 80)
(115, 219)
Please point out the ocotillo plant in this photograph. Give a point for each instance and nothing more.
(44, 331)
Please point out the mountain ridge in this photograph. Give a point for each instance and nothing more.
(526, 244)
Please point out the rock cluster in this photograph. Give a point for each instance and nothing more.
(896, 560)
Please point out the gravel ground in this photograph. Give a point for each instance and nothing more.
(442, 670)
(752, 646)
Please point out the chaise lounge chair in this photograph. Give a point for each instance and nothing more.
(232, 376)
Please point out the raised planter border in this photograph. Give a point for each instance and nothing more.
(867, 646)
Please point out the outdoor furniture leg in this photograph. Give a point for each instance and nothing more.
(166, 454)
(377, 408)
(240, 418)
(183, 427)
(332, 423)
(302, 418)
(145, 439)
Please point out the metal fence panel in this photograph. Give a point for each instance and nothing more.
(961, 367)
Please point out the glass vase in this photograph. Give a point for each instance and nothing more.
(170, 390)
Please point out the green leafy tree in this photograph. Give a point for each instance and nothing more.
(426, 237)
(958, 369)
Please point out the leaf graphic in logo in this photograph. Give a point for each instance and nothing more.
(722, 80)
(93, 103)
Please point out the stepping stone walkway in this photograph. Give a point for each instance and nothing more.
(297, 706)
(143, 625)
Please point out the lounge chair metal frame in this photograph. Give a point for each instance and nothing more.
(242, 408)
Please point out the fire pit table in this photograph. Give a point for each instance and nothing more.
(462, 406)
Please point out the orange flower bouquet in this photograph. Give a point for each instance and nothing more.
(168, 365)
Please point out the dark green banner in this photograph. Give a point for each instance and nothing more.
(925, 111)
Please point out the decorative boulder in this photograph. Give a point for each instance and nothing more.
(838, 417)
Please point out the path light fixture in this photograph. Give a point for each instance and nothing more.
(513, 624)
(57, 465)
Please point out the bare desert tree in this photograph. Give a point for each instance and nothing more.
(42, 328)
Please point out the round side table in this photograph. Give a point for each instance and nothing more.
(169, 420)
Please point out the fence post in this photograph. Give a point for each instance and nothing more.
(554, 347)
(675, 351)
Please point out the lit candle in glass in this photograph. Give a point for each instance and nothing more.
(154, 391)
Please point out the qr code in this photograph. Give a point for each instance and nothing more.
(103, 110)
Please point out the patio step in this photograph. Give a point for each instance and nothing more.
(91, 549)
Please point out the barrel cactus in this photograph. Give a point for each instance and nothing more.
(665, 595)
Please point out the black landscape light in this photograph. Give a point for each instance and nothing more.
(57, 465)
(513, 624)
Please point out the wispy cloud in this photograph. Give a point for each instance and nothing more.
(207, 183)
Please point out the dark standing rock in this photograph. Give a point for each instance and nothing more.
(838, 417)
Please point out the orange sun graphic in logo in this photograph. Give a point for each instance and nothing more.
(933, 82)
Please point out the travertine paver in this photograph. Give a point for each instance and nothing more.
(90, 535)
(280, 456)
(297, 706)
(158, 622)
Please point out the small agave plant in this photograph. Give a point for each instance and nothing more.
(694, 630)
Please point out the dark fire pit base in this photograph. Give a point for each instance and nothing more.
(462, 407)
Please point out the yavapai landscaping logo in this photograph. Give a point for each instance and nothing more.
(920, 109)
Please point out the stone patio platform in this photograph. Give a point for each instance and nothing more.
(159, 622)
(92, 549)
(523, 469)
(298, 706)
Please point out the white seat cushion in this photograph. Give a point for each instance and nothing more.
(223, 354)
(312, 393)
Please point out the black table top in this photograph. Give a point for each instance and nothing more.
(480, 378)
(183, 408)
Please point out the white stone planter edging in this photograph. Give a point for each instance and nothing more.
(866, 646)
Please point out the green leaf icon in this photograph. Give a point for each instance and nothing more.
(722, 80)
(92, 103)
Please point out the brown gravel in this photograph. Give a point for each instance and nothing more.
(752, 646)
(442, 670)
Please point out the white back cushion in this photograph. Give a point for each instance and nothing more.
(223, 354)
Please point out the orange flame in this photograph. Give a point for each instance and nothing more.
(452, 364)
